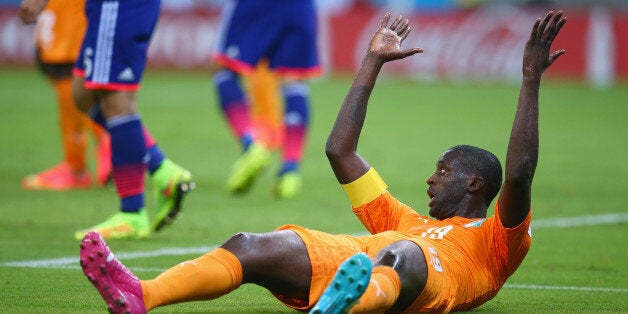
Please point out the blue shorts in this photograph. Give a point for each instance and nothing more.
(113, 54)
(280, 31)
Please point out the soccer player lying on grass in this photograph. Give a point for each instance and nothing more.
(410, 262)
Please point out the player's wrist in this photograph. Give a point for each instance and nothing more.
(373, 59)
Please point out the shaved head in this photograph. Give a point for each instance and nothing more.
(484, 164)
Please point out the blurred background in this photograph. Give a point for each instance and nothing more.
(464, 40)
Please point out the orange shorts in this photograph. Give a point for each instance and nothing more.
(59, 31)
(327, 251)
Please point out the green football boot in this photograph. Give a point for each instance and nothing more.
(247, 167)
(171, 183)
(122, 225)
(288, 185)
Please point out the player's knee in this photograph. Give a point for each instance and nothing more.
(239, 240)
(395, 254)
(407, 259)
(387, 257)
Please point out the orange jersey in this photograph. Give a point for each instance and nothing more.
(468, 259)
(59, 31)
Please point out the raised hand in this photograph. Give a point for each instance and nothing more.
(386, 43)
(536, 56)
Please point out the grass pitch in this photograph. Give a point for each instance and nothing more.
(582, 171)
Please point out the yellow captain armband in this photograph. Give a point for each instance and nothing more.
(365, 189)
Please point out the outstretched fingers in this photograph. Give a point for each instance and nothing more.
(405, 33)
(399, 25)
(550, 34)
(544, 22)
(556, 26)
(550, 30)
(396, 23)
(535, 29)
(387, 40)
(537, 54)
(402, 28)
(385, 20)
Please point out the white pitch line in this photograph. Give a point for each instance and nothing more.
(71, 262)
(536, 287)
(589, 220)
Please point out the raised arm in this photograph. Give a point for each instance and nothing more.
(523, 148)
(343, 139)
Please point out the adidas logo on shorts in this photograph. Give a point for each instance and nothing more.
(126, 75)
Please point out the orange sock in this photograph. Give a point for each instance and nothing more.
(207, 277)
(72, 123)
(381, 293)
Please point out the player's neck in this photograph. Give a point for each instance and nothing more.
(472, 207)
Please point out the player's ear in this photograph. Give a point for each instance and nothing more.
(474, 183)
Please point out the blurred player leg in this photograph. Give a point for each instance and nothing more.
(128, 151)
(107, 76)
(262, 86)
(236, 110)
(103, 151)
(72, 172)
(58, 36)
(296, 121)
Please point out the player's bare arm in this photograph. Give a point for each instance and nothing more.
(522, 155)
(30, 9)
(343, 140)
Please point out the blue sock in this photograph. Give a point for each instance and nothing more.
(288, 166)
(296, 124)
(155, 158)
(228, 86)
(245, 141)
(234, 106)
(128, 150)
(297, 111)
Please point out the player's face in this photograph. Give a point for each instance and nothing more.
(447, 186)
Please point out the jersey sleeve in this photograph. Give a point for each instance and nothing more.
(375, 207)
(514, 243)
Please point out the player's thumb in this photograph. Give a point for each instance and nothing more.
(411, 51)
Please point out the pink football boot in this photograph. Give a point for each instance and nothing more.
(120, 289)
